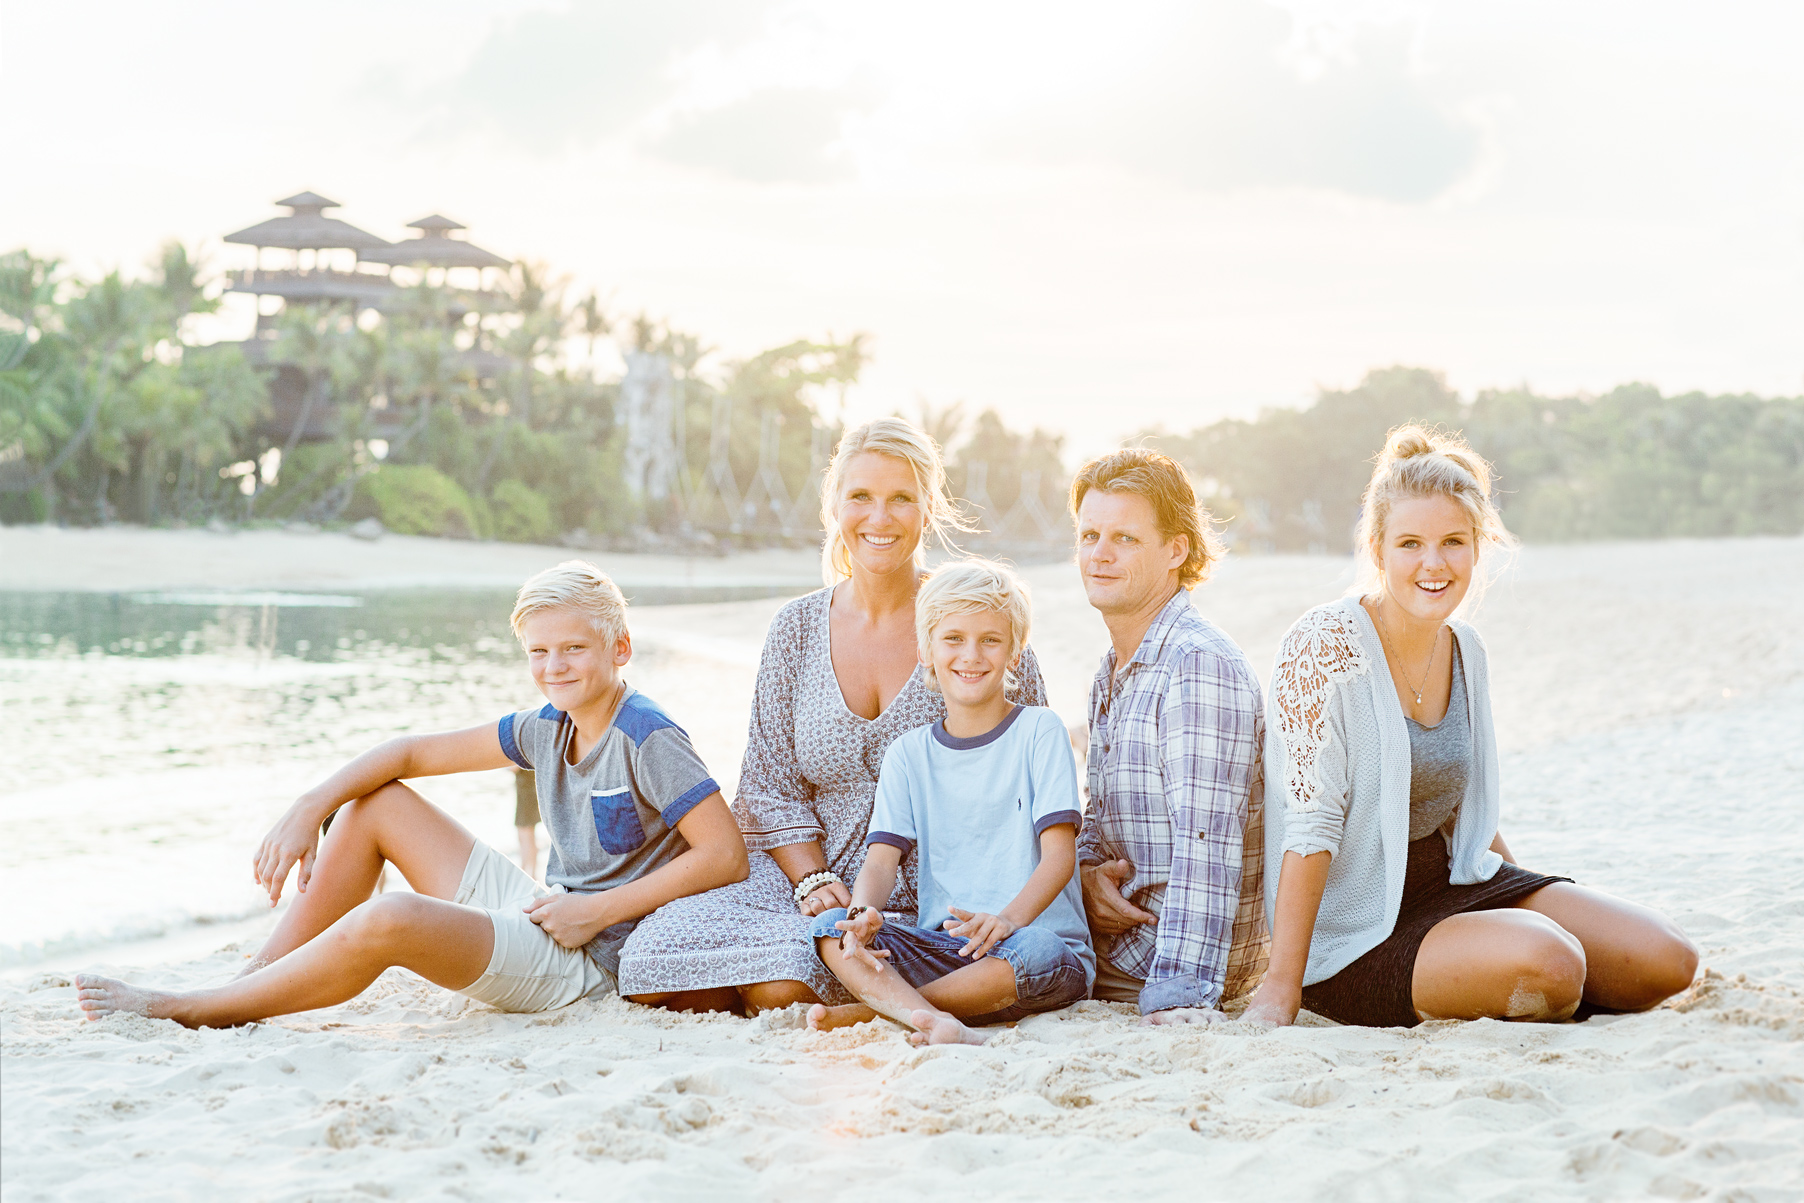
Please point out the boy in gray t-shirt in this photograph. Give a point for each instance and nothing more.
(635, 821)
(612, 816)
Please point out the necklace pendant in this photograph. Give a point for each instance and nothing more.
(1418, 699)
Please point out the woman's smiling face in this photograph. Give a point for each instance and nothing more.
(881, 512)
(1428, 555)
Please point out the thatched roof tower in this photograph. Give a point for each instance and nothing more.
(307, 228)
(435, 248)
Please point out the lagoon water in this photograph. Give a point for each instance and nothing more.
(151, 738)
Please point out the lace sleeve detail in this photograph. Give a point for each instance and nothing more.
(1319, 652)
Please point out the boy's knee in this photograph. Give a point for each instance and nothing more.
(1038, 952)
(387, 917)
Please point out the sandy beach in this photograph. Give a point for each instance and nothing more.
(1650, 710)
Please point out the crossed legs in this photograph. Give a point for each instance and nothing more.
(334, 940)
(1562, 945)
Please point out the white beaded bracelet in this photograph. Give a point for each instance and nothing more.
(813, 882)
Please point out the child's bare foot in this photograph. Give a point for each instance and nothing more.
(101, 996)
(933, 1028)
(822, 1018)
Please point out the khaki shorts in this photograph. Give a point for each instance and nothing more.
(528, 971)
(1112, 985)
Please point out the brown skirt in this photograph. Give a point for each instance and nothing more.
(1376, 990)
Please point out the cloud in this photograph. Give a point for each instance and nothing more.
(546, 80)
(777, 135)
(1219, 106)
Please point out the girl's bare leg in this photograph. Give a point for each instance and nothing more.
(392, 825)
(443, 942)
(1635, 957)
(1505, 964)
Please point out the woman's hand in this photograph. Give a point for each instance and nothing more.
(1273, 1004)
(833, 894)
(294, 839)
(981, 931)
(856, 937)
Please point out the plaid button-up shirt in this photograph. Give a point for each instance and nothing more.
(1178, 789)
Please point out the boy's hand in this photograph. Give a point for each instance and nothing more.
(856, 937)
(294, 838)
(981, 932)
(570, 919)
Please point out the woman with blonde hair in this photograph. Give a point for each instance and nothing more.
(1391, 894)
(839, 680)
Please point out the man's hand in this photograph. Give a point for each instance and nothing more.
(1109, 912)
(856, 936)
(1273, 1004)
(981, 931)
(831, 895)
(1176, 1015)
(570, 919)
(294, 839)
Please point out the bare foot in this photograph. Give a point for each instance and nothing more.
(822, 1018)
(933, 1028)
(101, 996)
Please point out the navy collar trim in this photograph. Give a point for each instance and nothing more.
(965, 744)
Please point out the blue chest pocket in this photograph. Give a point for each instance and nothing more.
(617, 823)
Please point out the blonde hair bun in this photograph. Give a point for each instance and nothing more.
(1419, 461)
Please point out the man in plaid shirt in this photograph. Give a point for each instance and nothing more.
(1172, 848)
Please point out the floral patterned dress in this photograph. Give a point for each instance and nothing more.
(810, 773)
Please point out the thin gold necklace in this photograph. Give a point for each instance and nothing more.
(1378, 608)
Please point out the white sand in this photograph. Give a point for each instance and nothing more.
(1650, 703)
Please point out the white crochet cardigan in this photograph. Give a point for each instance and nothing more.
(1337, 778)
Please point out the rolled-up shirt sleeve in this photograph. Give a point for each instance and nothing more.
(1209, 729)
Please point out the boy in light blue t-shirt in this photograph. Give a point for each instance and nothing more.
(987, 800)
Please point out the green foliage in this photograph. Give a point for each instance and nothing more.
(520, 513)
(415, 499)
(1629, 464)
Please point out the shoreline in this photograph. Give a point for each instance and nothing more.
(129, 559)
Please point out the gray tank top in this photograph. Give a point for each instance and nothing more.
(1440, 758)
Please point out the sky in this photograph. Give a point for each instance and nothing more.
(1093, 218)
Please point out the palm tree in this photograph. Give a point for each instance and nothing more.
(318, 340)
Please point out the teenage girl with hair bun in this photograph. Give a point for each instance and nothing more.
(1391, 894)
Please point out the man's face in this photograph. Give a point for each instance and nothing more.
(573, 666)
(1126, 565)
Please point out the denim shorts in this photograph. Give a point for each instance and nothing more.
(1048, 974)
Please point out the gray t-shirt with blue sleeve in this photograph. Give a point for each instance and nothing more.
(612, 816)
(974, 810)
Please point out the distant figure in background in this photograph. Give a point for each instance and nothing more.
(1392, 896)
(526, 820)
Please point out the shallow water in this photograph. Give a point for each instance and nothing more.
(152, 738)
